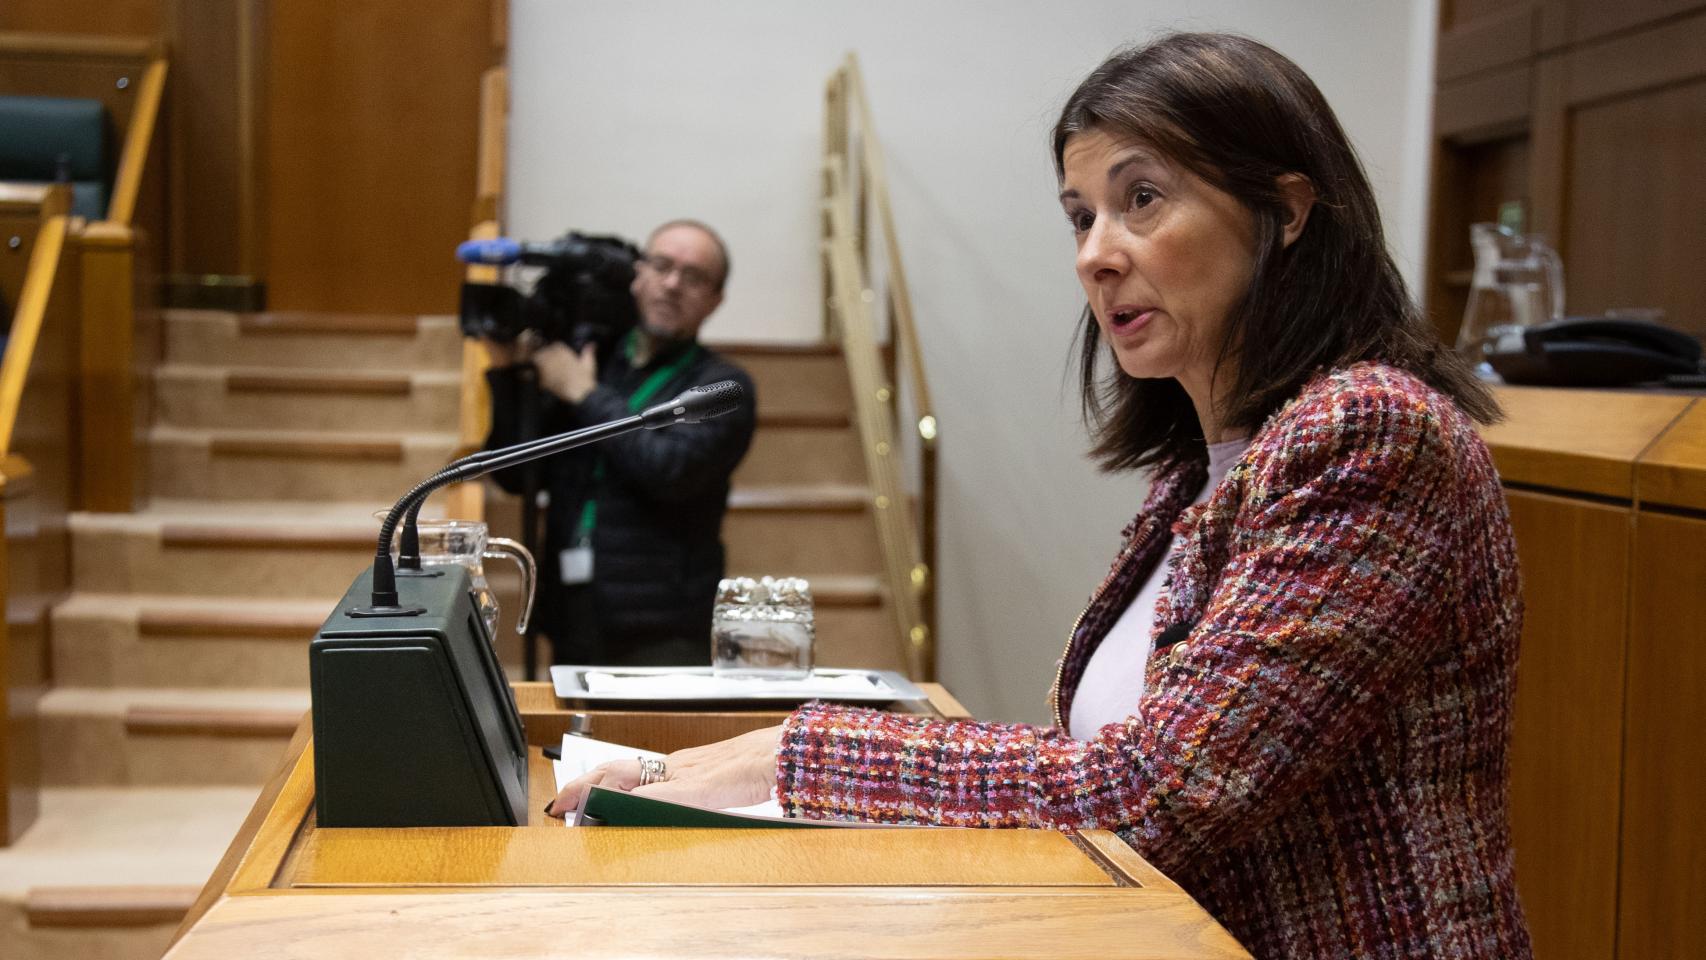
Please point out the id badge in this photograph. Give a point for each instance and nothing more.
(575, 563)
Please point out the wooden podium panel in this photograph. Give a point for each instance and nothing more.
(287, 889)
(1583, 441)
(1607, 492)
(691, 857)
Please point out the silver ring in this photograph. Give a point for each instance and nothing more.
(651, 771)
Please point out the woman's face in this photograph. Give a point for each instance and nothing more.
(1163, 256)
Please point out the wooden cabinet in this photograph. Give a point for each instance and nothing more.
(1591, 116)
(1607, 493)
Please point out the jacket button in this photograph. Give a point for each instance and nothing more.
(1176, 655)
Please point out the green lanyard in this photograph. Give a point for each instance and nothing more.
(636, 402)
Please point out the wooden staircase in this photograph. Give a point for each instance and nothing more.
(179, 663)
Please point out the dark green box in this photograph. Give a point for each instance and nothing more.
(415, 724)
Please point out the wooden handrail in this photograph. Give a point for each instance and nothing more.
(494, 121)
(28, 317)
(138, 139)
(854, 182)
(476, 406)
(468, 500)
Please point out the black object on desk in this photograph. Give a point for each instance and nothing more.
(1597, 352)
(414, 722)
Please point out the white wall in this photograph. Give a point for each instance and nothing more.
(626, 114)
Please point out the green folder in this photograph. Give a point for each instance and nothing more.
(615, 808)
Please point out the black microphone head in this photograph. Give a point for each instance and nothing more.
(699, 403)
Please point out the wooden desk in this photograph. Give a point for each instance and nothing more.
(286, 889)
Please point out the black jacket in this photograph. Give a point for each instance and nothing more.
(657, 548)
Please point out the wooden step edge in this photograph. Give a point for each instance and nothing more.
(211, 721)
(293, 383)
(385, 451)
(805, 419)
(227, 623)
(131, 906)
(799, 499)
(355, 324)
(267, 536)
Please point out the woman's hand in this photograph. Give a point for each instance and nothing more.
(737, 772)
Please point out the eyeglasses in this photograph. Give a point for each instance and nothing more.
(691, 278)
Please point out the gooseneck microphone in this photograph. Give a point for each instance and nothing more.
(692, 406)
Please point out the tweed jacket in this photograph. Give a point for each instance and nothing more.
(1321, 759)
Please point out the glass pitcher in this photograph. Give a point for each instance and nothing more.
(467, 542)
(1518, 282)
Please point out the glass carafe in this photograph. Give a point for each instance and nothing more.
(1518, 282)
(467, 542)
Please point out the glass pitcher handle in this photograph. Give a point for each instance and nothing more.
(1555, 279)
(499, 547)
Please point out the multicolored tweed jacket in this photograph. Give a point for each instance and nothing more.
(1321, 760)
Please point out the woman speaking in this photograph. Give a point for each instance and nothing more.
(1292, 692)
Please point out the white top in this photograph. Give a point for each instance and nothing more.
(1113, 679)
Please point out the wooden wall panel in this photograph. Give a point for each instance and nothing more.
(36, 494)
(1455, 14)
(1504, 36)
(23, 635)
(373, 120)
(104, 17)
(1485, 105)
(1591, 19)
(1566, 748)
(1636, 227)
(1663, 902)
(214, 166)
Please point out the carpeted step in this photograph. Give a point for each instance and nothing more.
(139, 640)
(132, 736)
(784, 529)
(331, 401)
(107, 872)
(276, 550)
(291, 465)
(795, 378)
(310, 340)
(803, 448)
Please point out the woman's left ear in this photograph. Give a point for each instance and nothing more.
(1297, 196)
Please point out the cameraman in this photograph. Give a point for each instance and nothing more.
(633, 548)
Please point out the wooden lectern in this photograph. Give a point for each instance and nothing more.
(286, 889)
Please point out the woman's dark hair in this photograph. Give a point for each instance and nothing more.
(1240, 115)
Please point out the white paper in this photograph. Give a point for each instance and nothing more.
(581, 754)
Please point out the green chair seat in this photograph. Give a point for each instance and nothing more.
(47, 139)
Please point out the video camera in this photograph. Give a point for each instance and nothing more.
(582, 298)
